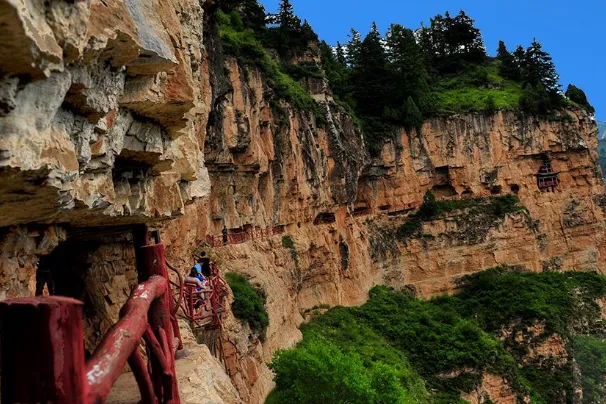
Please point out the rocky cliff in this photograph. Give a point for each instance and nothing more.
(342, 209)
(102, 111)
(114, 113)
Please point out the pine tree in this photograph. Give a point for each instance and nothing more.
(449, 43)
(538, 68)
(465, 38)
(336, 71)
(340, 54)
(413, 117)
(529, 100)
(408, 75)
(502, 52)
(508, 67)
(354, 47)
(287, 18)
(370, 73)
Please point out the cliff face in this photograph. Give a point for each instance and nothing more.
(121, 112)
(342, 208)
(101, 109)
(103, 106)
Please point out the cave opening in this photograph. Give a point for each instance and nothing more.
(325, 218)
(95, 265)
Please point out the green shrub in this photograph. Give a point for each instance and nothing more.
(249, 304)
(419, 342)
(287, 242)
(320, 373)
(491, 106)
(552, 297)
(590, 354)
(494, 208)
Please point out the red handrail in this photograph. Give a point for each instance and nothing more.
(119, 343)
(42, 345)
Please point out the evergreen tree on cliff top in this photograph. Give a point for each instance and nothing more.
(508, 67)
(369, 75)
(353, 48)
(451, 43)
(408, 75)
(287, 18)
(291, 34)
(538, 68)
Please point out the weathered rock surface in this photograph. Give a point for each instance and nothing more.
(275, 168)
(101, 107)
(121, 112)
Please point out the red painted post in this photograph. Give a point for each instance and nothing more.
(42, 345)
(153, 262)
(108, 360)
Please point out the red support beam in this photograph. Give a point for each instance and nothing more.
(139, 367)
(42, 348)
(106, 364)
(153, 262)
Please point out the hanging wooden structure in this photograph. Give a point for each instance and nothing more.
(546, 177)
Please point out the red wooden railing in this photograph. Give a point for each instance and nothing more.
(42, 344)
(202, 308)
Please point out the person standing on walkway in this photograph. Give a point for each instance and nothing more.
(224, 235)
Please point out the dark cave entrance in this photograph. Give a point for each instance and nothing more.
(95, 265)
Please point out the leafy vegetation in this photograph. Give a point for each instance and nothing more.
(439, 348)
(590, 354)
(246, 45)
(491, 208)
(288, 242)
(249, 304)
(555, 298)
(398, 79)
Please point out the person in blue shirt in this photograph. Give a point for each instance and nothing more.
(196, 272)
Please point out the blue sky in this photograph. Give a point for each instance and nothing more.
(574, 33)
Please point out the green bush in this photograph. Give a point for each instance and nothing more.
(491, 106)
(249, 304)
(408, 337)
(320, 373)
(419, 342)
(494, 208)
(552, 297)
(288, 242)
(590, 354)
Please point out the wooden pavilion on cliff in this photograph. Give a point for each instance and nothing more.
(547, 179)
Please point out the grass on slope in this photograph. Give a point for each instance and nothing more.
(243, 44)
(439, 348)
(489, 209)
(472, 89)
(249, 304)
